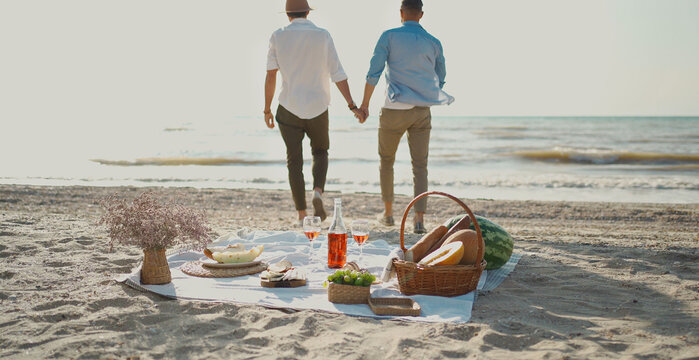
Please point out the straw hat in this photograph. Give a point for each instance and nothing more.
(297, 6)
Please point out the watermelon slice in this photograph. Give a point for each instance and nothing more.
(498, 243)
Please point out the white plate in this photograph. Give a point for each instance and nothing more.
(215, 264)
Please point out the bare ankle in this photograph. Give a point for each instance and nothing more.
(388, 209)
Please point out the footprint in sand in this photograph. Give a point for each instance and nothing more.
(277, 322)
(256, 341)
(25, 248)
(84, 240)
(123, 262)
(20, 221)
(454, 354)
(462, 333)
(55, 304)
(494, 340)
(54, 318)
(106, 303)
(59, 263)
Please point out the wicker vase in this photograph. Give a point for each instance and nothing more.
(155, 269)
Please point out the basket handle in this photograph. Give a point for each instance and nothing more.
(481, 244)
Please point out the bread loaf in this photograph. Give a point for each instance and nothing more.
(463, 224)
(420, 249)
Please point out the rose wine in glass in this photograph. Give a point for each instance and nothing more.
(311, 228)
(360, 232)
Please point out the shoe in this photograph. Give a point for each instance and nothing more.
(386, 220)
(419, 228)
(318, 209)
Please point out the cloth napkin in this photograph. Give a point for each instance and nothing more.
(389, 271)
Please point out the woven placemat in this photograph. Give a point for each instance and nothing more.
(195, 268)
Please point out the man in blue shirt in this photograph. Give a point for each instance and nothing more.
(414, 81)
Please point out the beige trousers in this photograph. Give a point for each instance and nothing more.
(392, 125)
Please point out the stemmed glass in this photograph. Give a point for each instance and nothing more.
(311, 228)
(360, 232)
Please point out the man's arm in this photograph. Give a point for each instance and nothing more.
(343, 86)
(440, 66)
(378, 60)
(368, 91)
(338, 76)
(270, 85)
(376, 67)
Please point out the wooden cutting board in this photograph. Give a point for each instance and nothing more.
(282, 284)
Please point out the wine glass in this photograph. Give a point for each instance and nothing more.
(311, 228)
(360, 232)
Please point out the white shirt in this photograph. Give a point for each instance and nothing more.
(305, 55)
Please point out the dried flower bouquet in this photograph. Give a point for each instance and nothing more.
(153, 226)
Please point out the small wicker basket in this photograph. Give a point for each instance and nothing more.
(441, 280)
(348, 294)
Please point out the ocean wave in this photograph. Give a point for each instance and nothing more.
(546, 182)
(501, 134)
(682, 167)
(507, 127)
(524, 184)
(176, 161)
(604, 157)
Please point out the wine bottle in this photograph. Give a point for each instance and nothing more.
(337, 239)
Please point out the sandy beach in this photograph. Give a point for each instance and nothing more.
(597, 280)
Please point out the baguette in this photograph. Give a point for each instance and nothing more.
(419, 250)
(463, 224)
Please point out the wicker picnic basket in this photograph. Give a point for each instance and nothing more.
(441, 280)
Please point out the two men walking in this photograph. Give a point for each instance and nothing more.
(306, 57)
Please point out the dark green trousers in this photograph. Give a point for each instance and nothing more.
(293, 130)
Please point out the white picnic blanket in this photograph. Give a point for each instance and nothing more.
(295, 248)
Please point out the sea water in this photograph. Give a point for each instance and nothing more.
(626, 159)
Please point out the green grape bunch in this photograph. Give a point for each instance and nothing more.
(351, 277)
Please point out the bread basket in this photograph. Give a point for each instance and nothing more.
(440, 280)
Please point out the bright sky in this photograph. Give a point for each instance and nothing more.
(97, 62)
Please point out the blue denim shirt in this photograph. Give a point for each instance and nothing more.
(416, 69)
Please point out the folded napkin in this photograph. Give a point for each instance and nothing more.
(389, 271)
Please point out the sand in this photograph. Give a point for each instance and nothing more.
(598, 280)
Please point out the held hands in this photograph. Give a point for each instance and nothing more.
(359, 114)
(365, 111)
(269, 119)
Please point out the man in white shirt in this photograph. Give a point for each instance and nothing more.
(306, 57)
